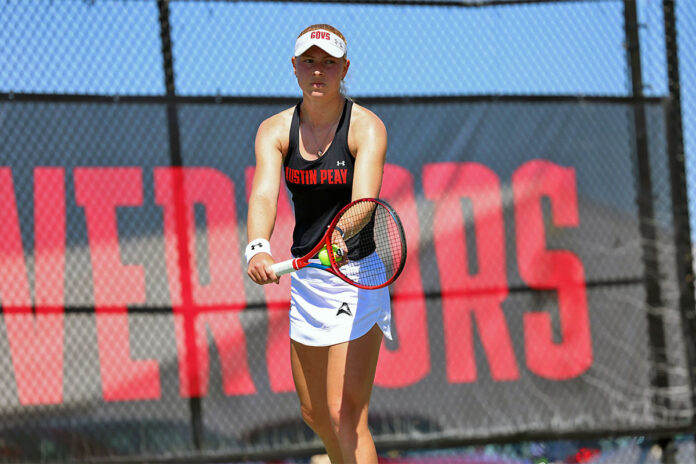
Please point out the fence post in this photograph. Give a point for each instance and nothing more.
(677, 167)
(651, 271)
(176, 161)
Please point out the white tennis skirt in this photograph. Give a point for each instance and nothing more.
(325, 310)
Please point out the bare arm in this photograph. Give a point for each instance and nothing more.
(263, 201)
(368, 140)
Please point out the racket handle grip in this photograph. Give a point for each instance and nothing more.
(283, 267)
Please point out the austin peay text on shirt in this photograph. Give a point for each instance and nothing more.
(316, 176)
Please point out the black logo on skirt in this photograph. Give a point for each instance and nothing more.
(344, 309)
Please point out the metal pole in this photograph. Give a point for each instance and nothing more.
(651, 271)
(680, 206)
(176, 161)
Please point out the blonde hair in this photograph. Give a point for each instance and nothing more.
(330, 28)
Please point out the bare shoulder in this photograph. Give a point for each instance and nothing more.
(365, 126)
(363, 119)
(275, 130)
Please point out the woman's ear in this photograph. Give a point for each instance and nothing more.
(345, 68)
(294, 67)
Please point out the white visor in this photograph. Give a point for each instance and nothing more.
(327, 41)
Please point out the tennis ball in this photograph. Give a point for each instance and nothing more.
(324, 255)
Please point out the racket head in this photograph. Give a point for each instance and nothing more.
(371, 244)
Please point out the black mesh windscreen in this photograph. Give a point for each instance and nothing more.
(544, 291)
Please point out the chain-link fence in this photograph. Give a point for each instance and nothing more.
(533, 157)
(685, 19)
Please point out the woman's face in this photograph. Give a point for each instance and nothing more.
(319, 73)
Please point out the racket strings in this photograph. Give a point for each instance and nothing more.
(381, 246)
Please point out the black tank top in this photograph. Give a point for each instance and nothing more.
(321, 187)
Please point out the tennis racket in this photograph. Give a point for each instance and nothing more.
(365, 246)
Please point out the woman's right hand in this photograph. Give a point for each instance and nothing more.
(259, 269)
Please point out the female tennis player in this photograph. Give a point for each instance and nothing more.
(330, 151)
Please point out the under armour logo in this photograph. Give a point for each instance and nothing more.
(340, 163)
(345, 309)
(254, 245)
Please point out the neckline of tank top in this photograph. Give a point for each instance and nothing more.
(331, 145)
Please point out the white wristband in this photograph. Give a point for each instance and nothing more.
(256, 246)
